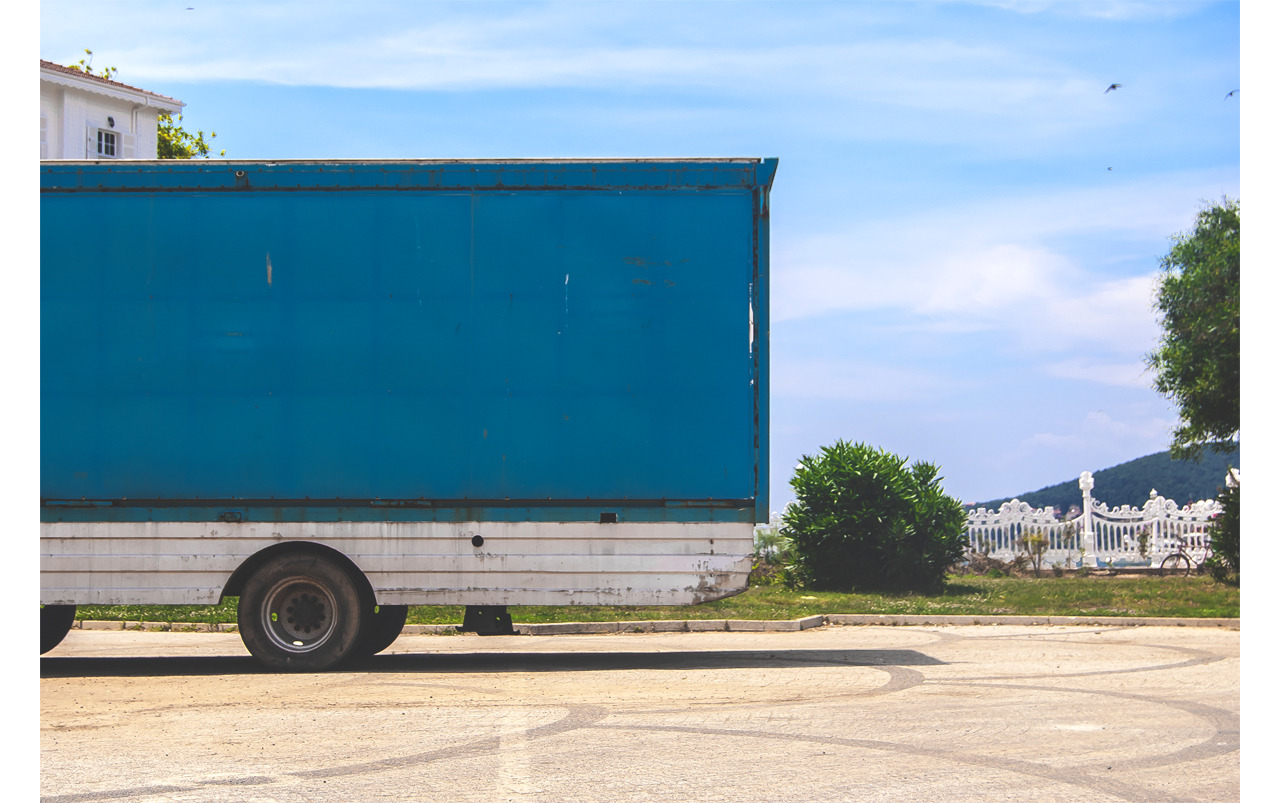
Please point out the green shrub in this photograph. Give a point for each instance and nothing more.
(1224, 536)
(863, 520)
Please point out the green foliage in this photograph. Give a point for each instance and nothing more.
(1197, 362)
(1034, 543)
(1144, 541)
(173, 142)
(863, 520)
(86, 66)
(1224, 537)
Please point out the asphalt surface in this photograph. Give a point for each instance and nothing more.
(1074, 713)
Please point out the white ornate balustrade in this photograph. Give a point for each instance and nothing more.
(1099, 535)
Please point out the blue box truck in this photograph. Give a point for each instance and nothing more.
(337, 388)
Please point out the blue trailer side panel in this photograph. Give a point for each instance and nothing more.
(403, 341)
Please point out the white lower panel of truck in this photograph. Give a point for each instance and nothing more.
(407, 563)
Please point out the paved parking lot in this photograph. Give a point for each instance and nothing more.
(835, 713)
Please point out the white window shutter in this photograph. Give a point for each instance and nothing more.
(44, 138)
(125, 149)
(91, 141)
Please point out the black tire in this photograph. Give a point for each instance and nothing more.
(381, 629)
(300, 612)
(55, 624)
(1175, 565)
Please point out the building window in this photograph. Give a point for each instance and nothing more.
(107, 144)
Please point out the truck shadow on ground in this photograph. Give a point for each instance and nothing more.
(443, 663)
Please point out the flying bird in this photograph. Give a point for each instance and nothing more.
(1229, 94)
(1113, 86)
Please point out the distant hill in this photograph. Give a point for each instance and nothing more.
(1131, 483)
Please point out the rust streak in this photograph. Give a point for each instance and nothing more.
(268, 269)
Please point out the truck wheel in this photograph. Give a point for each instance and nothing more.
(300, 612)
(55, 623)
(381, 629)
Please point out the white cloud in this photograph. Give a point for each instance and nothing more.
(1089, 369)
(1070, 442)
(1113, 314)
(1040, 268)
(1130, 431)
(470, 46)
(827, 377)
(993, 278)
(1104, 9)
(843, 72)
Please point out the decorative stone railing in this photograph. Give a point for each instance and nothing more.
(1099, 535)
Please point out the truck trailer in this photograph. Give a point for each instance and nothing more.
(337, 388)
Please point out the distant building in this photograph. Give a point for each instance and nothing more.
(86, 117)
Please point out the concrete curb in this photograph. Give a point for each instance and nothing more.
(1113, 621)
(728, 625)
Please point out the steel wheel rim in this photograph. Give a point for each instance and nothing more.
(298, 614)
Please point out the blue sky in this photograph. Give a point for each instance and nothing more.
(966, 227)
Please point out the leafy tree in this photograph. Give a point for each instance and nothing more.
(1197, 362)
(172, 141)
(86, 66)
(771, 546)
(1224, 536)
(863, 520)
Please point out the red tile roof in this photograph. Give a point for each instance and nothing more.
(49, 65)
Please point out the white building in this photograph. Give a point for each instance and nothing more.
(86, 117)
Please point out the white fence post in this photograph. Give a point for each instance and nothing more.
(1090, 555)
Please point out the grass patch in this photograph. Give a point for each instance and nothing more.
(1193, 597)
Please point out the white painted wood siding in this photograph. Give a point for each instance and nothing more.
(73, 108)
